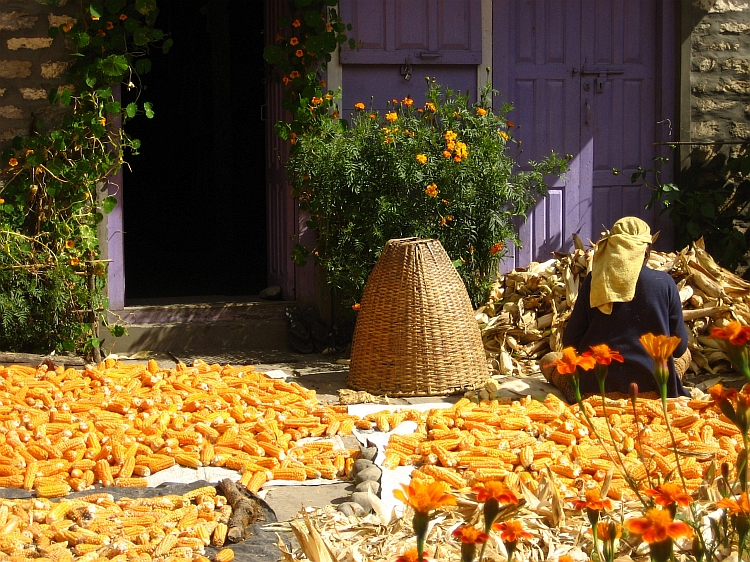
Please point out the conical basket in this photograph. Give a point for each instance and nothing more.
(416, 334)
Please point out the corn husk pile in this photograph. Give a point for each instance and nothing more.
(528, 308)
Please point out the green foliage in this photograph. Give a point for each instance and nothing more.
(442, 171)
(53, 184)
(709, 201)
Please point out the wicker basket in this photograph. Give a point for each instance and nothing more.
(416, 334)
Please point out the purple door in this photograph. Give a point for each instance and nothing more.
(587, 78)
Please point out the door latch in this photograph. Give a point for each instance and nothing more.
(602, 74)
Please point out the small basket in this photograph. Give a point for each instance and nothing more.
(416, 334)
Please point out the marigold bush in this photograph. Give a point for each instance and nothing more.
(441, 169)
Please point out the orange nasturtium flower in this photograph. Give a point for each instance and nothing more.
(74, 262)
(481, 111)
(421, 158)
(294, 41)
(294, 74)
(316, 100)
(391, 116)
(658, 529)
(431, 190)
(496, 248)
(360, 106)
(424, 499)
(70, 244)
(13, 162)
(299, 53)
(296, 23)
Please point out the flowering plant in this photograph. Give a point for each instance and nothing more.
(439, 169)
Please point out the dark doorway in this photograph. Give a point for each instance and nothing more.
(194, 200)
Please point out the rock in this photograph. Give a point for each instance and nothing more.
(371, 485)
(372, 473)
(369, 453)
(272, 293)
(351, 508)
(363, 499)
(360, 465)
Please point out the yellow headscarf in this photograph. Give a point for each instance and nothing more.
(618, 259)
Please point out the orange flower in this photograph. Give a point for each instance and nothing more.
(110, 25)
(495, 490)
(74, 262)
(593, 501)
(511, 530)
(391, 116)
(511, 124)
(299, 53)
(356, 306)
(323, 84)
(719, 393)
(447, 153)
(407, 101)
(100, 32)
(429, 106)
(329, 27)
(568, 363)
(285, 80)
(425, 497)
(293, 138)
(481, 111)
(335, 114)
(603, 355)
(123, 17)
(294, 41)
(317, 101)
(13, 162)
(608, 531)
(565, 558)
(372, 116)
(660, 347)
(669, 494)
(504, 135)
(2, 200)
(740, 506)
(734, 332)
(103, 121)
(294, 74)
(470, 535)
(66, 27)
(296, 23)
(421, 158)
(496, 248)
(411, 556)
(70, 244)
(359, 106)
(658, 526)
(431, 190)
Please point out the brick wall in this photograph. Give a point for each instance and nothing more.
(720, 75)
(30, 65)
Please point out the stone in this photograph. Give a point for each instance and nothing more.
(2, 91)
(733, 86)
(272, 293)
(370, 453)
(705, 129)
(351, 509)
(53, 69)
(13, 21)
(740, 130)
(708, 104)
(57, 21)
(33, 93)
(735, 27)
(363, 499)
(724, 46)
(372, 473)
(371, 485)
(740, 66)
(15, 69)
(32, 43)
(11, 112)
(361, 464)
(705, 65)
(720, 6)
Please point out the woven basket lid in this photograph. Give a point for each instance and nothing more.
(416, 334)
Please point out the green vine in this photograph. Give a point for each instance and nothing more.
(54, 184)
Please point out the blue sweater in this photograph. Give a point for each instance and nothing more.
(655, 309)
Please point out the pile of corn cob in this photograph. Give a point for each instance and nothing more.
(517, 441)
(528, 308)
(97, 527)
(114, 425)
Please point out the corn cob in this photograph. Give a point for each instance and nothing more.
(224, 555)
(219, 535)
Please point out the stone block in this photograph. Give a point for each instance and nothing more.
(724, 46)
(57, 21)
(53, 69)
(735, 27)
(704, 129)
(741, 66)
(2, 91)
(733, 86)
(32, 43)
(13, 21)
(721, 6)
(707, 104)
(11, 112)
(740, 130)
(704, 65)
(33, 93)
(15, 69)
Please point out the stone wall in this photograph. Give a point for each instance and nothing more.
(31, 64)
(720, 75)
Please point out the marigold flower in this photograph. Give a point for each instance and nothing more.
(412, 555)
(495, 490)
(470, 535)
(603, 354)
(568, 363)
(70, 244)
(431, 190)
(425, 497)
(496, 248)
(719, 393)
(123, 17)
(13, 162)
(608, 531)
(372, 116)
(296, 23)
(316, 100)
(359, 106)
(481, 111)
(294, 41)
(391, 116)
(734, 332)
(510, 124)
(740, 506)
(593, 501)
(356, 306)
(660, 347)
(407, 101)
(565, 558)
(421, 158)
(294, 74)
(504, 135)
(429, 106)
(74, 262)
(511, 531)
(669, 494)
(447, 153)
(658, 526)
(299, 53)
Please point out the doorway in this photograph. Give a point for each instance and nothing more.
(194, 199)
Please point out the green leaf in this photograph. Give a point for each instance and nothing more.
(135, 143)
(96, 9)
(141, 36)
(104, 92)
(167, 45)
(131, 109)
(114, 6)
(53, 32)
(113, 107)
(145, 6)
(65, 97)
(117, 330)
(302, 3)
(131, 24)
(312, 18)
(115, 65)
(81, 39)
(90, 80)
(53, 96)
(108, 204)
(143, 66)
(148, 108)
(272, 54)
(157, 34)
